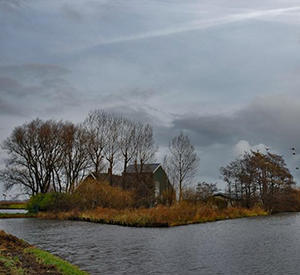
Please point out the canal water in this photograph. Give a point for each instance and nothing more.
(263, 245)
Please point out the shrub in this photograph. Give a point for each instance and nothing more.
(51, 202)
(288, 201)
(94, 194)
(34, 204)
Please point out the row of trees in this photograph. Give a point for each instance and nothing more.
(114, 139)
(55, 156)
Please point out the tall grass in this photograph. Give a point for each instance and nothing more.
(178, 214)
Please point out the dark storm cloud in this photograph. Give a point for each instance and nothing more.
(272, 120)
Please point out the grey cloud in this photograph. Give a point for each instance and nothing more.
(33, 70)
(11, 5)
(208, 129)
(135, 113)
(71, 13)
(133, 96)
(37, 87)
(9, 85)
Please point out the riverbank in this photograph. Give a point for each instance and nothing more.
(16, 215)
(160, 216)
(19, 257)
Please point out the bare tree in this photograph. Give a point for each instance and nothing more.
(144, 145)
(96, 126)
(205, 190)
(127, 132)
(181, 162)
(33, 150)
(45, 156)
(111, 149)
(75, 162)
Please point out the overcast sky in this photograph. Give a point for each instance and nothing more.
(226, 72)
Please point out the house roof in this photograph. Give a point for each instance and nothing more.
(147, 168)
(227, 196)
(104, 177)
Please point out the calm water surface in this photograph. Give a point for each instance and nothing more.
(264, 245)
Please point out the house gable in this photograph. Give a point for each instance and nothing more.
(161, 177)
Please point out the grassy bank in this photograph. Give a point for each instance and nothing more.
(18, 257)
(160, 216)
(16, 215)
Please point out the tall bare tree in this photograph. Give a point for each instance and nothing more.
(96, 126)
(112, 149)
(127, 132)
(75, 162)
(181, 162)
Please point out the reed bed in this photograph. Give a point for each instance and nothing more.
(159, 216)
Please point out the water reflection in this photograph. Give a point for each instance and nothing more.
(264, 245)
(13, 211)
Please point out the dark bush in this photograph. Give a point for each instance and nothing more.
(51, 202)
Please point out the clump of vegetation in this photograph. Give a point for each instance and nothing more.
(89, 195)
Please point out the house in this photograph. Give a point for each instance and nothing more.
(153, 172)
(150, 183)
